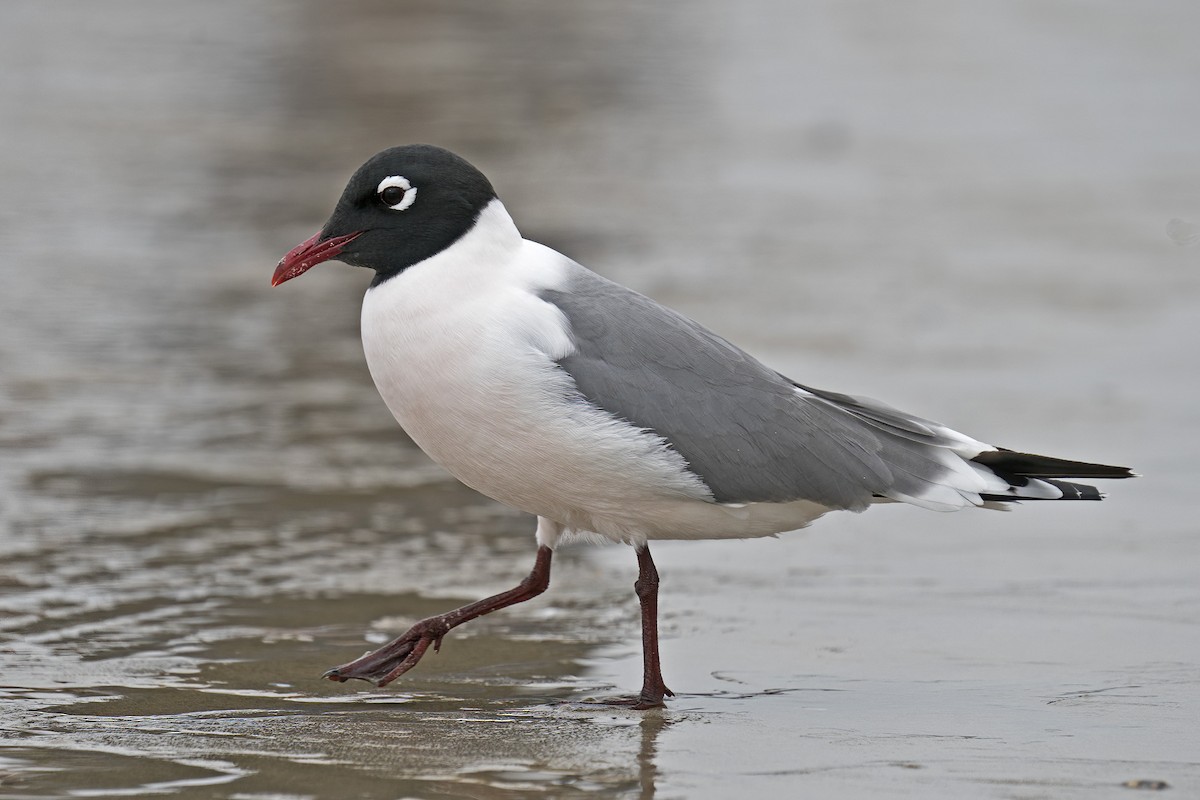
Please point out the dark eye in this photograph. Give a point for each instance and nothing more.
(396, 192)
(392, 195)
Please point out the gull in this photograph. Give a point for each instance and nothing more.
(553, 390)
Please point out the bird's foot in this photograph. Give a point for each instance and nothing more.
(398, 656)
(395, 658)
(650, 697)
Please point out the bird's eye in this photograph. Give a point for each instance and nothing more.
(396, 192)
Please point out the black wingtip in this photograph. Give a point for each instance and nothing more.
(1076, 491)
(1009, 463)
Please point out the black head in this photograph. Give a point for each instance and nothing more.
(402, 206)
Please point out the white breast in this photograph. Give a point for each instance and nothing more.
(463, 352)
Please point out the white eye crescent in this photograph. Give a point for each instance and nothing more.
(396, 192)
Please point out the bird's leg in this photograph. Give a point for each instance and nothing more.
(646, 587)
(398, 656)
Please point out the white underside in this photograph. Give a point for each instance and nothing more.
(463, 353)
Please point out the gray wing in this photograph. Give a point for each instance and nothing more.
(749, 433)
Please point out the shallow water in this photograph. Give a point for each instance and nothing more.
(983, 215)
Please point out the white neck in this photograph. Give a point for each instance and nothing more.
(491, 242)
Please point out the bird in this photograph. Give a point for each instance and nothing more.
(558, 392)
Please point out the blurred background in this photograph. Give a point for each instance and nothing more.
(986, 214)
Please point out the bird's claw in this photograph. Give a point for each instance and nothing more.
(395, 658)
(638, 702)
(652, 697)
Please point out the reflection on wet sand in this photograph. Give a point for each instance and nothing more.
(652, 725)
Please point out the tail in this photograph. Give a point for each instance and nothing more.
(1032, 477)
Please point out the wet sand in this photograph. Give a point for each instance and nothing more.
(204, 504)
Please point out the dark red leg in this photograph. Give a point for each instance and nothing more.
(398, 656)
(646, 587)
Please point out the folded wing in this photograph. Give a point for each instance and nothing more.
(754, 436)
